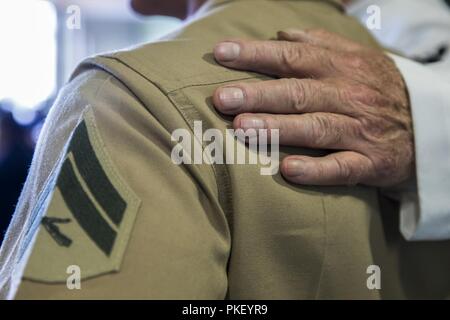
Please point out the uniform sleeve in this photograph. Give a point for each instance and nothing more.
(115, 217)
(425, 210)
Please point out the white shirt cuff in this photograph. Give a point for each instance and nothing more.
(425, 214)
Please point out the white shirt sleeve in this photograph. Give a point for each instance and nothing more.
(425, 210)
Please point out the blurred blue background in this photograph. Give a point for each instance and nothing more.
(42, 42)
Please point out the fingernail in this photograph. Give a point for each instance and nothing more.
(231, 98)
(252, 123)
(227, 51)
(295, 167)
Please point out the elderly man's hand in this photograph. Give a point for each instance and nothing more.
(332, 94)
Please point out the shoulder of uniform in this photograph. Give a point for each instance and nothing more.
(170, 65)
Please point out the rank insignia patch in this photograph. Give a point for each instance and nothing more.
(85, 216)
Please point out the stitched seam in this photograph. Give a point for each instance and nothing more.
(210, 83)
(209, 73)
(325, 250)
(166, 92)
(225, 185)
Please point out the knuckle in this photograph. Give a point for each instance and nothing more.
(371, 128)
(349, 173)
(364, 128)
(355, 61)
(320, 128)
(297, 94)
(370, 97)
(334, 131)
(289, 55)
(328, 61)
(344, 171)
(367, 121)
(346, 94)
(360, 93)
(258, 54)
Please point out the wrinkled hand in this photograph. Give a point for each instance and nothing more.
(332, 94)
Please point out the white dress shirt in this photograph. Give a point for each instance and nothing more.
(418, 28)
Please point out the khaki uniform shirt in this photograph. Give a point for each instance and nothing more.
(105, 203)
